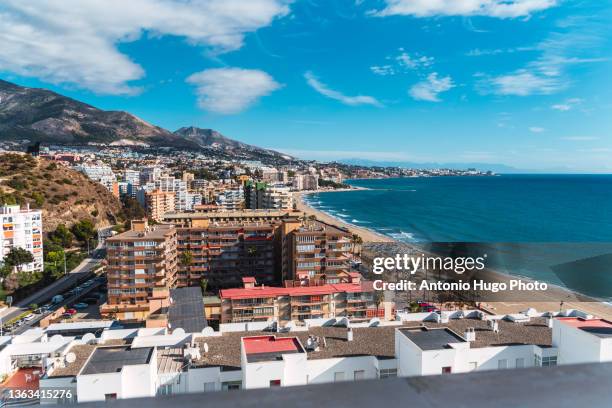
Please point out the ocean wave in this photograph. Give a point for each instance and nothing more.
(402, 236)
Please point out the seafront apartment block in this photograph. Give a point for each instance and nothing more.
(22, 228)
(314, 250)
(254, 303)
(141, 270)
(222, 248)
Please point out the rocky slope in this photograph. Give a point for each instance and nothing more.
(64, 195)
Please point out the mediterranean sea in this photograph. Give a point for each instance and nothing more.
(542, 223)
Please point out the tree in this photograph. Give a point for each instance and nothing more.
(203, 285)
(61, 236)
(132, 210)
(17, 257)
(186, 258)
(84, 230)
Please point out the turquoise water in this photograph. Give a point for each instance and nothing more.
(538, 221)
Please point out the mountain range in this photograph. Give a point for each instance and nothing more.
(41, 115)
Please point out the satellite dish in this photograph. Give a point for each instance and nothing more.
(57, 338)
(208, 331)
(179, 332)
(70, 357)
(88, 337)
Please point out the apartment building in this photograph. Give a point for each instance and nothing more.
(252, 303)
(259, 195)
(109, 361)
(184, 200)
(22, 228)
(103, 175)
(224, 247)
(158, 203)
(230, 199)
(305, 182)
(314, 250)
(142, 267)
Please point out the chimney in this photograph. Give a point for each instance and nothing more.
(349, 334)
(140, 225)
(470, 334)
(493, 325)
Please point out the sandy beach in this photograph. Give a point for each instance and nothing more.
(365, 234)
(570, 299)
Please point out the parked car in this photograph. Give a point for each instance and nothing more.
(66, 315)
(71, 311)
(80, 305)
(57, 299)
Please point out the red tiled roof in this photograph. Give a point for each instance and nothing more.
(24, 379)
(269, 344)
(264, 291)
(248, 279)
(580, 323)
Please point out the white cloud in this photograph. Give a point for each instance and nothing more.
(548, 73)
(403, 62)
(231, 90)
(75, 41)
(569, 104)
(523, 83)
(414, 62)
(536, 129)
(490, 8)
(323, 89)
(429, 89)
(383, 70)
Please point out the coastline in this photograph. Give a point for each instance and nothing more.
(366, 234)
(571, 298)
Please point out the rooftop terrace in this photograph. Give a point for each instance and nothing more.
(113, 359)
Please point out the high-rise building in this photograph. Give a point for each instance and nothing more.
(22, 228)
(141, 270)
(305, 182)
(314, 250)
(158, 203)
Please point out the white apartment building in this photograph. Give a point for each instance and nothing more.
(100, 174)
(231, 199)
(22, 228)
(184, 199)
(305, 182)
(100, 361)
(276, 198)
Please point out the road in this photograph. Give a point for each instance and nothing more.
(78, 274)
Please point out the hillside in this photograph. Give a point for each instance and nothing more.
(35, 114)
(65, 196)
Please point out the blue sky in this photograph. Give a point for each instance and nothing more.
(520, 82)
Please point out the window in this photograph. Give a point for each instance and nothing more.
(275, 383)
(231, 385)
(473, 365)
(503, 363)
(387, 373)
(520, 362)
(165, 389)
(110, 397)
(339, 376)
(209, 386)
(447, 370)
(359, 375)
(549, 361)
